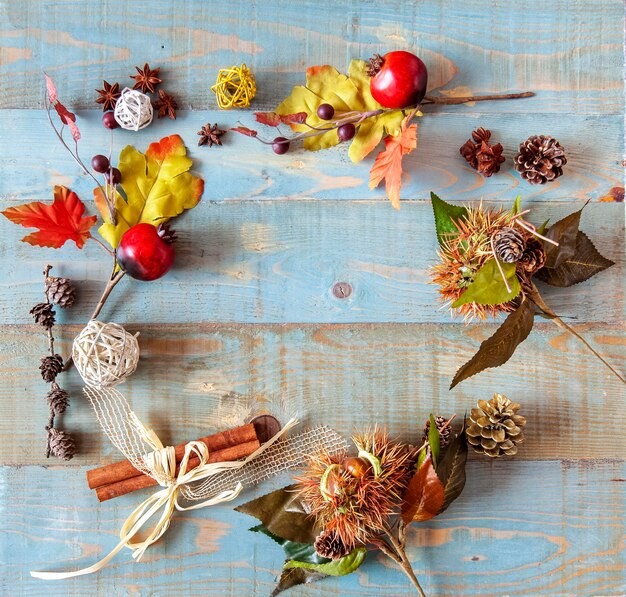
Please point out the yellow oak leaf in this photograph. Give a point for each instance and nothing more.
(388, 163)
(157, 186)
(345, 93)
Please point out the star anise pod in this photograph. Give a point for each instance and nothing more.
(108, 96)
(210, 135)
(147, 78)
(166, 105)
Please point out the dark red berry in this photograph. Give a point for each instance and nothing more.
(325, 111)
(280, 145)
(100, 163)
(144, 253)
(108, 120)
(113, 176)
(346, 131)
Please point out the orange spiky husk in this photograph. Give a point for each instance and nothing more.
(360, 507)
(462, 254)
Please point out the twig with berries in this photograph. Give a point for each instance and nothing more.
(60, 292)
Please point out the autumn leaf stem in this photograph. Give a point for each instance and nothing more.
(431, 99)
(111, 253)
(397, 546)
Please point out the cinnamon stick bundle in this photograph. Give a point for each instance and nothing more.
(124, 470)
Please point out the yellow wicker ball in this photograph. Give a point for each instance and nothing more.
(235, 87)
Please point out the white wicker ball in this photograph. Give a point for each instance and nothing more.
(133, 110)
(105, 354)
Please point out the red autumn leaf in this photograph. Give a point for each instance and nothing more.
(64, 114)
(245, 131)
(388, 164)
(269, 118)
(424, 495)
(59, 222)
(297, 118)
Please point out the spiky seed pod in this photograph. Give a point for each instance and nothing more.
(540, 159)
(50, 367)
(61, 444)
(329, 545)
(533, 258)
(44, 315)
(495, 428)
(60, 291)
(58, 399)
(509, 244)
(444, 436)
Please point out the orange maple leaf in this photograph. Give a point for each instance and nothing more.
(388, 164)
(57, 223)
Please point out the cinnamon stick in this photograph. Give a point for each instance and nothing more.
(120, 471)
(113, 490)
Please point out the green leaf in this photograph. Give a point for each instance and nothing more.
(434, 439)
(283, 515)
(585, 263)
(445, 217)
(488, 287)
(296, 576)
(451, 469)
(340, 567)
(542, 229)
(303, 552)
(517, 205)
(563, 232)
(424, 494)
(498, 349)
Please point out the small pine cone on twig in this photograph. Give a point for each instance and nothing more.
(61, 444)
(533, 258)
(444, 436)
(44, 315)
(60, 291)
(50, 367)
(495, 428)
(329, 545)
(58, 399)
(481, 155)
(540, 159)
(509, 244)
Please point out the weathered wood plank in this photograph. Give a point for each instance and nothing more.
(207, 377)
(575, 62)
(244, 169)
(275, 261)
(559, 535)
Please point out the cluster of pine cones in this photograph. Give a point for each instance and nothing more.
(61, 292)
(540, 158)
(512, 246)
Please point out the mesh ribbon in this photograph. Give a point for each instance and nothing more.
(206, 483)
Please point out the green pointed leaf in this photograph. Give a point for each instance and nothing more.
(498, 349)
(517, 205)
(542, 229)
(563, 232)
(488, 287)
(434, 439)
(451, 469)
(296, 576)
(445, 217)
(585, 263)
(340, 567)
(303, 552)
(283, 515)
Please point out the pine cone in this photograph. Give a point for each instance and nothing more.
(509, 244)
(60, 291)
(50, 367)
(480, 155)
(533, 258)
(61, 444)
(329, 545)
(44, 315)
(540, 159)
(495, 428)
(444, 436)
(58, 399)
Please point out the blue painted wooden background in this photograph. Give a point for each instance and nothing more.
(247, 320)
